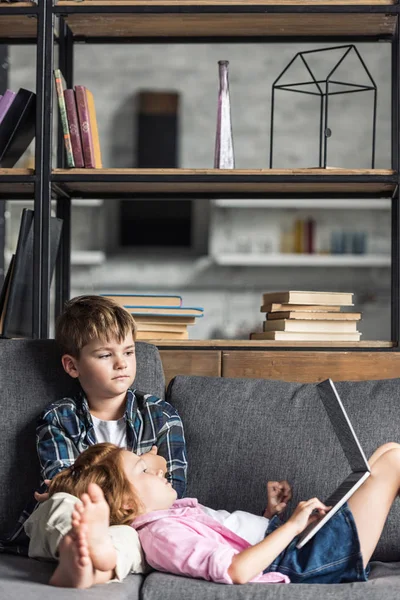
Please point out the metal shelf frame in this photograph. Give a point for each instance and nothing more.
(48, 184)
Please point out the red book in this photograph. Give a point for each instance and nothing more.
(74, 129)
(84, 122)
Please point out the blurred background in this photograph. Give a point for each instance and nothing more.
(220, 254)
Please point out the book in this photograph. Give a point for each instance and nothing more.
(18, 128)
(162, 335)
(84, 126)
(5, 292)
(148, 326)
(5, 103)
(314, 316)
(18, 316)
(309, 336)
(145, 299)
(299, 236)
(298, 325)
(275, 307)
(301, 297)
(309, 231)
(60, 87)
(74, 129)
(94, 129)
(188, 311)
(167, 319)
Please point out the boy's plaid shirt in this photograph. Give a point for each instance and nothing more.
(65, 429)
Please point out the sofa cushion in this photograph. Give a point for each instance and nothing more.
(26, 578)
(31, 376)
(242, 432)
(171, 587)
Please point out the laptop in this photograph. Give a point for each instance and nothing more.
(360, 470)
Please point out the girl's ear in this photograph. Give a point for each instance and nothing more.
(131, 503)
(70, 365)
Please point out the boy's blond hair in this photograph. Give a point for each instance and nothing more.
(86, 318)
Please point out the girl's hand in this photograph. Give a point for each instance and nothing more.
(302, 516)
(42, 497)
(279, 494)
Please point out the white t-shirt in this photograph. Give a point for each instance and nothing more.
(110, 431)
(248, 526)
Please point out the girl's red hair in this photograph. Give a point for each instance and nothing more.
(100, 464)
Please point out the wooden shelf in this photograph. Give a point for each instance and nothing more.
(221, 3)
(112, 183)
(90, 19)
(299, 204)
(256, 344)
(302, 260)
(18, 21)
(16, 183)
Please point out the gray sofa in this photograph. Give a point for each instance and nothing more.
(239, 432)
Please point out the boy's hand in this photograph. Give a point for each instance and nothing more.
(303, 516)
(279, 494)
(45, 496)
(154, 461)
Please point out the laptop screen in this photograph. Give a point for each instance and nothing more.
(342, 426)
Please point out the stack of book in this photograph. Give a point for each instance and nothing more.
(308, 316)
(79, 124)
(17, 125)
(158, 317)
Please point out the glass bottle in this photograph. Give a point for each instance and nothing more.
(224, 157)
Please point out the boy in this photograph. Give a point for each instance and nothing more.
(96, 337)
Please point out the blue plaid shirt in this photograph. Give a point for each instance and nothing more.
(65, 429)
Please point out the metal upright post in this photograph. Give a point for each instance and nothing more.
(42, 200)
(3, 87)
(63, 264)
(395, 274)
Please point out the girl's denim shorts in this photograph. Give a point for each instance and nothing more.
(331, 556)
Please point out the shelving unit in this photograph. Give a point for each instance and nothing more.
(198, 21)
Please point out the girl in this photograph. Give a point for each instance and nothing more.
(185, 538)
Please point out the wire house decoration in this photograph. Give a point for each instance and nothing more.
(325, 88)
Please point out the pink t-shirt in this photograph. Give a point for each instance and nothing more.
(184, 540)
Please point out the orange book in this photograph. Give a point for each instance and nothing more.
(94, 129)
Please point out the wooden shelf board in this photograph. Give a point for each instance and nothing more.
(194, 20)
(18, 25)
(300, 204)
(16, 182)
(108, 182)
(250, 259)
(227, 2)
(202, 344)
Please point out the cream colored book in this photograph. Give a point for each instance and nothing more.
(310, 326)
(177, 327)
(301, 297)
(176, 311)
(314, 336)
(162, 335)
(172, 319)
(314, 316)
(275, 307)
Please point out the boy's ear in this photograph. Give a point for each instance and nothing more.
(70, 365)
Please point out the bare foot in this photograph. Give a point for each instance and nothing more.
(75, 569)
(95, 514)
